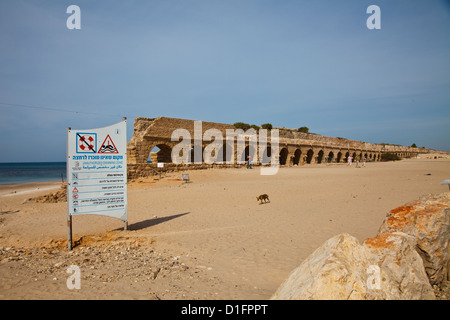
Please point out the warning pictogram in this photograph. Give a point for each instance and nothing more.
(86, 142)
(108, 146)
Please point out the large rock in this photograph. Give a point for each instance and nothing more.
(397, 256)
(339, 269)
(428, 221)
(383, 268)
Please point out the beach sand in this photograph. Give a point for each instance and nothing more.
(207, 239)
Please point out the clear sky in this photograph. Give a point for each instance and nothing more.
(290, 63)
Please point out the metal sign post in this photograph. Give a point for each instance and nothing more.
(69, 232)
(160, 165)
(97, 173)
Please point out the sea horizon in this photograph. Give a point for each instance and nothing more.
(25, 172)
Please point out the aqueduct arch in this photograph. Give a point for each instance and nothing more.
(283, 156)
(320, 156)
(297, 157)
(164, 154)
(330, 157)
(309, 156)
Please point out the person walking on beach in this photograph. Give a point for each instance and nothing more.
(349, 161)
(249, 163)
(357, 162)
(364, 161)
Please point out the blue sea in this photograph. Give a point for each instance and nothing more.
(22, 172)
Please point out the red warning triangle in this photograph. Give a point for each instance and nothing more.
(108, 146)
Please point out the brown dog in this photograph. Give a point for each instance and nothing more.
(262, 197)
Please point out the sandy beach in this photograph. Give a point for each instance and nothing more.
(207, 239)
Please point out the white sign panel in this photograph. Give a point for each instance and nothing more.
(97, 171)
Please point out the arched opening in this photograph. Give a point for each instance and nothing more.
(354, 156)
(330, 157)
(152, 155)
(248, 152)
(309, 156)
(297, 155)
(223, 157)
(339, 156)
(160, 153)
(320, 156)
(192, 159)
(241, 155)
(266, 155)
(283, 156)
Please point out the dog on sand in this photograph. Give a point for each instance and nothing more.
(263, 197)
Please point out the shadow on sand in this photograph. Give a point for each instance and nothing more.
(152, 222)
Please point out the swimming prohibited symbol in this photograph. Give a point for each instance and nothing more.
(108, 146)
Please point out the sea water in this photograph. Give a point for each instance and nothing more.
(22, 172)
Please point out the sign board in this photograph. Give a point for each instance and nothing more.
(97, 171)
(160, 165)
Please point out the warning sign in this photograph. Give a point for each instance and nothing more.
(86, 142)
(97, 171)
(108, 146)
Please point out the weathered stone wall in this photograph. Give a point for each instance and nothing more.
(295, 148)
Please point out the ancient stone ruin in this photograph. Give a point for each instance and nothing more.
(295, 148)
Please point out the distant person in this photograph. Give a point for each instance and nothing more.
(249, 163)
(364, 161)
(349, 160)
(357, 161)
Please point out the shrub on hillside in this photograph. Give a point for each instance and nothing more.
(267, 126)
(241, 125)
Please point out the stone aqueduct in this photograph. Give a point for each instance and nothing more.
(295, 148)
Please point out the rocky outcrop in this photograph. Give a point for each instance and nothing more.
(54, 197)
(397, 257)
(428, 221)
(385, 268)
(409, 254)
(336, 270)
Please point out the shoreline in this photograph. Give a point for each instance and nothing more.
(28, 187)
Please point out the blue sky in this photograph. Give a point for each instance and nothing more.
(291, 63)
